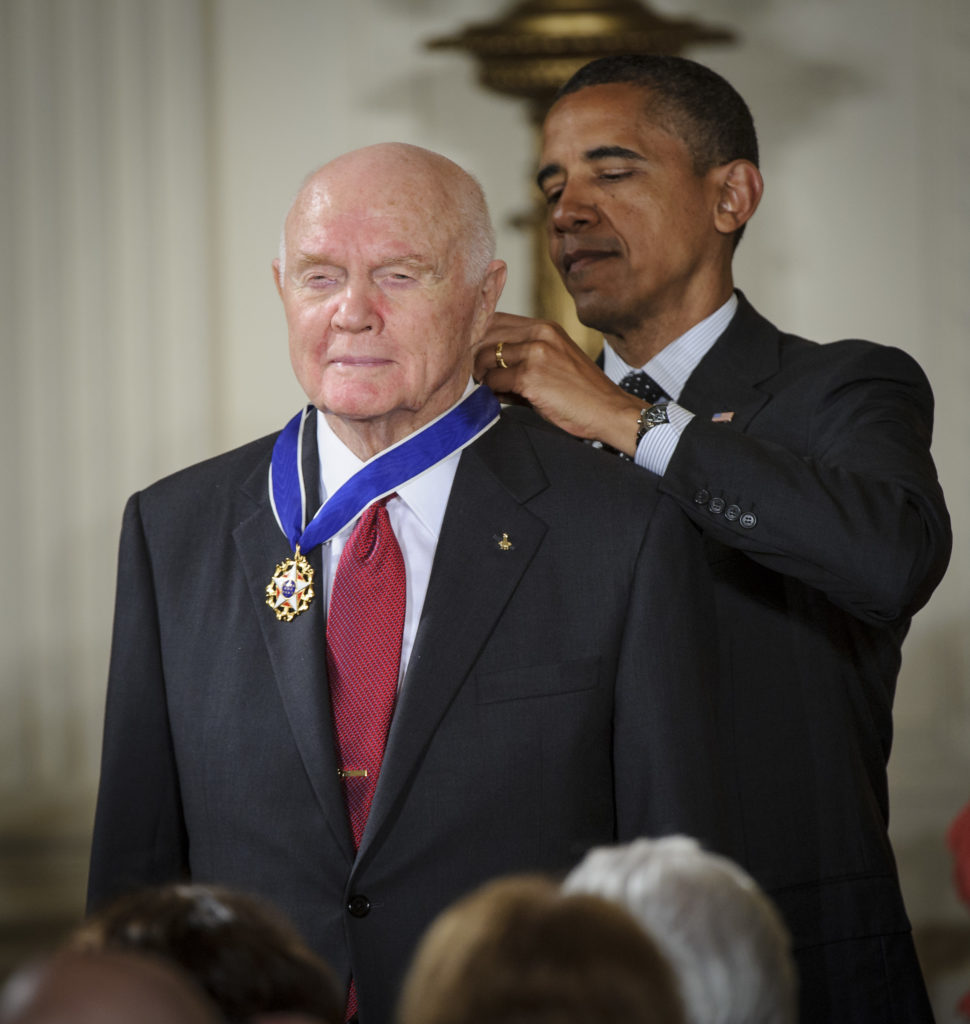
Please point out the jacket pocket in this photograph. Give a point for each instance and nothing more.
(530, 681)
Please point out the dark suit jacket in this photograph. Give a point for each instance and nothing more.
(559, 695)
(825, 530)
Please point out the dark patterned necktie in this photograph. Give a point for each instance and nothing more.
(645, 387)
(647, 390)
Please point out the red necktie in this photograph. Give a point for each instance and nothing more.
(365, 622)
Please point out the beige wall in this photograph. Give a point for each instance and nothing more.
(148, 153)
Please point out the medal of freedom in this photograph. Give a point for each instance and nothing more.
(290, 591)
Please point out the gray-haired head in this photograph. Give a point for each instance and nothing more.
(725, 938)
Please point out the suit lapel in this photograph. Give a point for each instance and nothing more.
(297, 649)
(473, 577)
(726, 378)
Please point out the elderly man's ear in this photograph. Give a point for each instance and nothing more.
(739, 191)
(489, 295)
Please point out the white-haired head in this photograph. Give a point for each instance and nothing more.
(459, 193)
(725, 938)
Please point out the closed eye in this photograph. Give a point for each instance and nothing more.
(319, 280)
(395, 278)
(615, 175)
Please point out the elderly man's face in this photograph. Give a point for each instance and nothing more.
(382, 317)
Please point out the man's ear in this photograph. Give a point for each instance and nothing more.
(739, 191)
(493, 285)
(277, 278)
(488, 296)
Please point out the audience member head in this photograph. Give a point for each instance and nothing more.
(517, 951)
(724, 937)
(77, 987)
(243, 952)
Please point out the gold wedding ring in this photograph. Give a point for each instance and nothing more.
(499, 361)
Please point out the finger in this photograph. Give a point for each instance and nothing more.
(492, 355)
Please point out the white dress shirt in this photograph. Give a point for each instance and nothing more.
(670, 368)
(416, 516)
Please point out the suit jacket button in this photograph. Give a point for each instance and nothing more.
(359, 906)
(702, 497)
(716, 505)
(748, 520)
(732, 513)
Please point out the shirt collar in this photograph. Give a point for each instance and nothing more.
(425, 495)
(675, 362)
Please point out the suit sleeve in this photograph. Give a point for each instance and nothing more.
(139, 836)
(672, 772)
(831, 483)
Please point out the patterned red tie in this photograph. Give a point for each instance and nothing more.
(365, 622)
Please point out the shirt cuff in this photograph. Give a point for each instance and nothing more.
(657, 446)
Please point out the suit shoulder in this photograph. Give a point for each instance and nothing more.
(853, 357)
(579, 479)
(848, 359)
(212, 475)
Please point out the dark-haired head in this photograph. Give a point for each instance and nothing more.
(691, 100)
(242, 951)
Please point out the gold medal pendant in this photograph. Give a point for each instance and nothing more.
(290, 591)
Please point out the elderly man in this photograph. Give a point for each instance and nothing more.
(806, 466)
(483, 648)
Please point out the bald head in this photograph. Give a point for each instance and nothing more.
(396, 175)
(103, 988)
(388, 286)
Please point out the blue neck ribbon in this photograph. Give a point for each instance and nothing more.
(381, 475)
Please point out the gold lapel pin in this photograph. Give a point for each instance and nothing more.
(503, 542)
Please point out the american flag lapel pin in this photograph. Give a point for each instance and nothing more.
(722, 417)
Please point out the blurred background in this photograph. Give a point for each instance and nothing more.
(148, 153)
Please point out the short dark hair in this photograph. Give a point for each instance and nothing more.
(242, 951)
(691, 100)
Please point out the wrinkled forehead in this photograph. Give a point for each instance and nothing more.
(404, 209)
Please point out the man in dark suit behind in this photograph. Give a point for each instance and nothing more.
(806, 466)
(555, 688)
